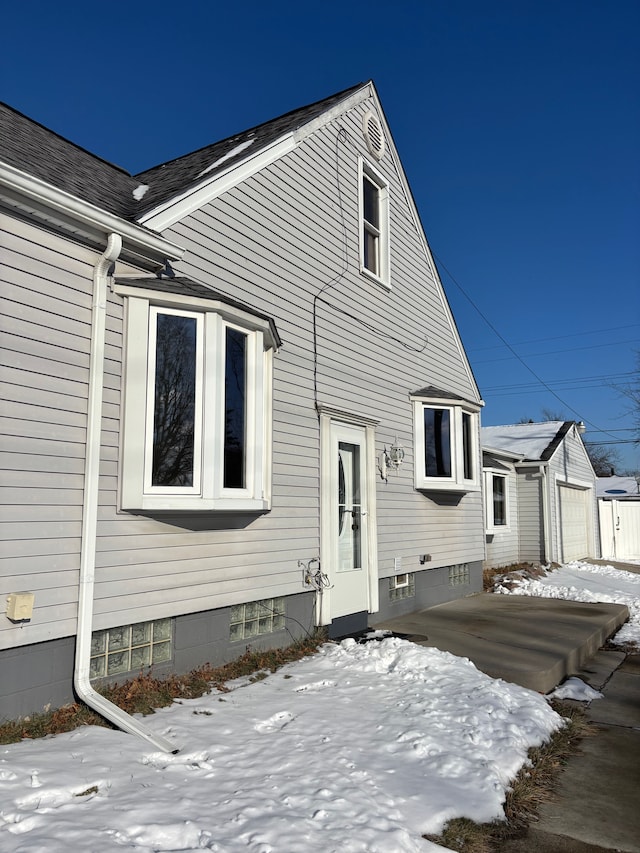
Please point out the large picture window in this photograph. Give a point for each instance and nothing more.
(446, 439)
(197, 407)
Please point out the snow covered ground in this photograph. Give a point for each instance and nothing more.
(362, 747)
(580, 581)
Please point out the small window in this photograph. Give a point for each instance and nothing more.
(499, 500)
(130, 648)
(374, 229)
(445, 446)
(402, 586)
(496, 486)
(256, 618)
(459, 575)
(197, 406)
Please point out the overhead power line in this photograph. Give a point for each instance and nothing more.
(515, 354)
(555, 337)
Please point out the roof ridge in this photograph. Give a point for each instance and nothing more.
(256, 127)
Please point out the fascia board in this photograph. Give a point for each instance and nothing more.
(176, 208)
(508, 454)
(330, 115)
(468, 405)
(532, 463)
(423, 239)
(37, 192)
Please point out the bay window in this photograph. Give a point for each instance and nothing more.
(197, 404)
(446, 440)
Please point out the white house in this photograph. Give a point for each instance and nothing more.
(236, 403)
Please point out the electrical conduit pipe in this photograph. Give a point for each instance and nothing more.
(86, 584)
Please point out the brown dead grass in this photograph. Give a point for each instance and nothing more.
(142, 695)
(533, 786)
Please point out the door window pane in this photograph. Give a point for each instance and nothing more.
(349, 507)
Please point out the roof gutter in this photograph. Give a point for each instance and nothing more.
(99, 221)
(86, 583)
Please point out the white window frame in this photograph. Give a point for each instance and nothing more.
(491, 525)
(457, 481)
(208, 492)
(367, 172)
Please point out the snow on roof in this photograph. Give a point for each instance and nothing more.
(617, 487)
(529, 440)
(233, 153)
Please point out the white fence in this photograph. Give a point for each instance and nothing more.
(620, 529)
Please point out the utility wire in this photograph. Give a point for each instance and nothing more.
(555, 337)
(513, 352)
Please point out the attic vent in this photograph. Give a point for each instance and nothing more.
(372, 130)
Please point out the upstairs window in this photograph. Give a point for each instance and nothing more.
(446, 439)
(374, 224)
(197, 403)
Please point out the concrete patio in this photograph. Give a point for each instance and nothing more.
(534, 642)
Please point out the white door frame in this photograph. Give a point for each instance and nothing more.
(329, 606)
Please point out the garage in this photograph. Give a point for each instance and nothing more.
(574, 523)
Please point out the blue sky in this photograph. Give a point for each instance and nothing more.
(517, 123)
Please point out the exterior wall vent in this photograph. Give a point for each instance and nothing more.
(373, 135)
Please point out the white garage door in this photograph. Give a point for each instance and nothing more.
(574, 524)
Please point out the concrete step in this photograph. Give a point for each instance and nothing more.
(534, 642)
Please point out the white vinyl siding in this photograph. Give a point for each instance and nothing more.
(531, 517)
(502, 540)
(46, 323)
(273, 243)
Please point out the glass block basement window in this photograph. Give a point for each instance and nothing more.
(256, 618)
(402, 586)
(130, 648)
(459, 575)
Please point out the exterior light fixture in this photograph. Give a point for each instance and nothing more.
(391, 458)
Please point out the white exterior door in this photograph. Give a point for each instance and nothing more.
(348, 495)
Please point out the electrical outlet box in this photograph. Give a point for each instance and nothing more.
(20, 606)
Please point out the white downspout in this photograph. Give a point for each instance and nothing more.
(86, 584)
(546, 512)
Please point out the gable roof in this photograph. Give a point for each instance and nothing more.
(168, 179)
(29, 146)
(534, 442)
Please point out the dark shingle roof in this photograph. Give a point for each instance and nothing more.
(169, 179)
(40, 152)
(188, 287)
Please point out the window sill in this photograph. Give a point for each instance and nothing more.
(158, 503)
(374, 278)
(460, 488)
